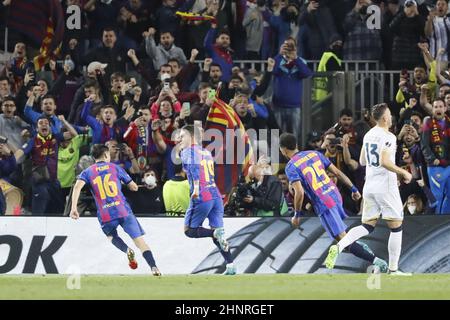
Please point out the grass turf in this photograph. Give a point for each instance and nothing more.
(248, 286)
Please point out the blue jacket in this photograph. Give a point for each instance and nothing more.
(218, 55)
(287, 82)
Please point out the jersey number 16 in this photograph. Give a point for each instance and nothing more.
(105, 187)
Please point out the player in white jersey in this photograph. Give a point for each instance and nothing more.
(381, 195)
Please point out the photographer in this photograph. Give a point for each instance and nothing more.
(123, 156)
(267, 198)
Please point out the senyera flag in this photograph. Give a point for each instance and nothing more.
(42, 22)
(230, 162)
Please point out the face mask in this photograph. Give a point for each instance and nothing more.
(412, 209)
(150, 181)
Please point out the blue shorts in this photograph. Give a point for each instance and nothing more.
(333, 220)
(129, 224)
(199, 211)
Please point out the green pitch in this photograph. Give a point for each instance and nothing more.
(253, 287)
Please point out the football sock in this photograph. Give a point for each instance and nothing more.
(394, 248)
(148, 256)
(353, 235)
(119, 244)
(199, 232)
(226, 255)
(358, 250)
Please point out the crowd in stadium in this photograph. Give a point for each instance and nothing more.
(124, 78)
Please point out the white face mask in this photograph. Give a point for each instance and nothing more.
(412, 209)
(150, 181)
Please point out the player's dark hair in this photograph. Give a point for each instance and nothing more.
(378, 110)
(288, 141)
(346, 112)
(98, 151)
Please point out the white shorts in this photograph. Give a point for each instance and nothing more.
(388, 205)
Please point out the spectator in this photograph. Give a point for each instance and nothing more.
(68, 157)
(139, 138)
(251, 116)
(5, 88)
(361, 43)
(176, 193)
(123, 156)
(408, 28)
(314, 141)
(414, 205)
(267, 197)
(166, 50)
(410, 158)
(254, 28)
(285, 185)
(387, 37)
(200, 109)
(48, 107)
(102, 15)
(90, 87)
(134, 18)
(287, 87)
(331, 61)
(11, 126)
(220, 51)
(165, 17)
(43, 148)
(149, 198)
(8, 165)
(109, 53)
(437, 28)
(106, 127)
(436, 150)
(320, 26)
(185, 75)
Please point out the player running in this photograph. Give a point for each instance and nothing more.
(105, 179)
(306, 173)
(206, 200)
(381, 194)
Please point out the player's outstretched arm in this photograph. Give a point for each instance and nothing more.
(391, 166)
(74, 214)
(345, 180)
(299, 194)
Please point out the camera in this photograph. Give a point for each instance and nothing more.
(236, 205)
(122, 147)
(3, 140)
(335, 141)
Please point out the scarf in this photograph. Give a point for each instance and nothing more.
(437, 137)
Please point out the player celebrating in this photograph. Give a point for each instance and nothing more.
(105, 179)
(306, 173)
(381, 194)
(206, 200)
